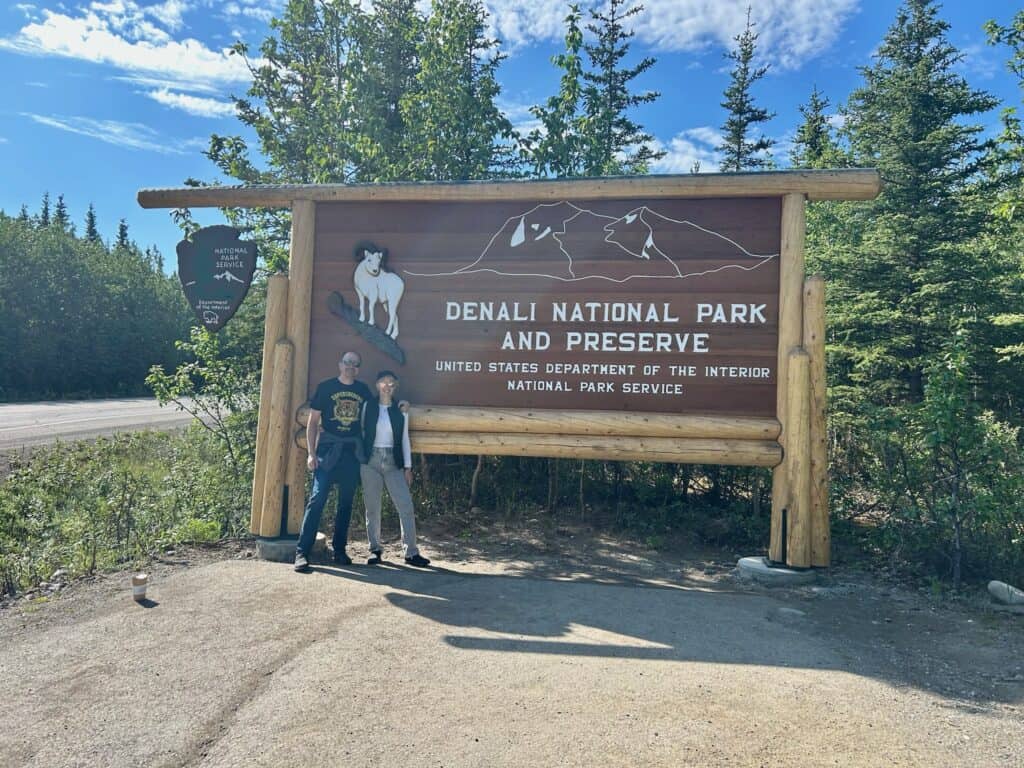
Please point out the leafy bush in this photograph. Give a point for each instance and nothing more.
(86, 507)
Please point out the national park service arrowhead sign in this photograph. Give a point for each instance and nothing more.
(215, 269)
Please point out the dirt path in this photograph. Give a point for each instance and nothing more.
(563, 650)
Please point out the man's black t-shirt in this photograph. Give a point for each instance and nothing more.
(339, 405)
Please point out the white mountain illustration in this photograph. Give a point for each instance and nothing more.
(229, 276)
(563, 241)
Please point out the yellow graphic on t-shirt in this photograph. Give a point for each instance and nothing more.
(346, 408)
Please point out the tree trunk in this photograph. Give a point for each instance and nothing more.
(582, 509)
(552, 484)
(476, 479)
(424, 470)
(957, 554)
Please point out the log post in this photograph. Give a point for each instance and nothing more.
(797, 459)
(814, 343)
(744, 453)
(300, 289)
(791, 284)
(273, 330)
(277, 440)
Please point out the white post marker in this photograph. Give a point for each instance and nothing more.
(139, 582)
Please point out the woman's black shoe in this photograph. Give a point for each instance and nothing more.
(374, 558)
(418, 561)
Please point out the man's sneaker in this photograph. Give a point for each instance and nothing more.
(374, 558)
(418, 561)
(342, 558)
(301, 563)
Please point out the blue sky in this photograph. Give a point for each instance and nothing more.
(102, 99)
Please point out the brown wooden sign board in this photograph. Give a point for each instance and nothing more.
(661, 318)
(662, 306)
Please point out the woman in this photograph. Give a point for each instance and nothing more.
(388, 462)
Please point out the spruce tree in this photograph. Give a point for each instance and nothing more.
(122, 242)
(60, 215)
(44, 211)
(1008, 160)
(23, 216)
(613, 143)
(910, 276)
(741, 152)
(92, 234)
(814, 146)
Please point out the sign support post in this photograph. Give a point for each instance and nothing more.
(300, 287)
(791, 284)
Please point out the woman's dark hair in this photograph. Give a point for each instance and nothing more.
(382, 374)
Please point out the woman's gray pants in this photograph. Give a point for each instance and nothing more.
(379, 471)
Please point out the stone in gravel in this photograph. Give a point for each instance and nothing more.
(1006, 594)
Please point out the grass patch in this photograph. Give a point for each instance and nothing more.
(92, 506)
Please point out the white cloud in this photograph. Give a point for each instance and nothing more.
(982, 61)
(791, 31)
(193, 105)
(159, 82)
(169, 13)
(127, 135)
(117, 34)
(686, 149)
(251, 9)
(520, 22)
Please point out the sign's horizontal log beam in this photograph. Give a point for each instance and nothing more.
(462, 419)
(846, 184)
(752, 453)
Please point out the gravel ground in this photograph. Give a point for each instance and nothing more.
(521, 648)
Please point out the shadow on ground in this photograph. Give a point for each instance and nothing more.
(596, 596)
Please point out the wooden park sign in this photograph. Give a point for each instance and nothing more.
(657, 318)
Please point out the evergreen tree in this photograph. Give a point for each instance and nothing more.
(122, 242)
(92, 234)
(44, 211)
(558, 149)
(815, 146)
(60, 215)
(155, 258)
(613, 143)
(911, 273)
(455, 129)
(1009, 158)
(23, 216)
(739, 151)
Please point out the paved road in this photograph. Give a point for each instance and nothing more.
(24, 425)
(609, 659)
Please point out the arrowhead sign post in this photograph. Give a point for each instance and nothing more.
(215, 268)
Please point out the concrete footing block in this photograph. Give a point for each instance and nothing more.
(760, 570)
(282, 550)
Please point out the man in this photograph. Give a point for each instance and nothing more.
(334, 455)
